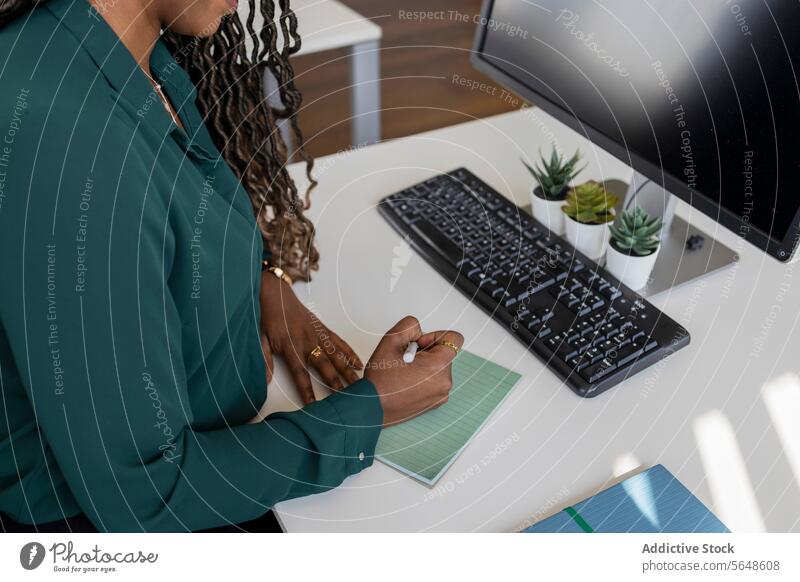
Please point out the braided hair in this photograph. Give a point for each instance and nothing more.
(241, 121)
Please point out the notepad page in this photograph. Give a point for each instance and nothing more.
(425, 446)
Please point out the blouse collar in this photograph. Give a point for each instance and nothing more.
(122, 72)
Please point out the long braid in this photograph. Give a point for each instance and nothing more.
(244, 126)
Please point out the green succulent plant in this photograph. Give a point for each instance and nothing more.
(590, 203)
(555, 174)
(637, 233)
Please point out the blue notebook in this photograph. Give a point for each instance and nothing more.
(653, 501)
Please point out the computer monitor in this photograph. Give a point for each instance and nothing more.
(701, 99)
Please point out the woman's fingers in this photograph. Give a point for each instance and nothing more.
(349, 354)
(327, 371)
(440, 344)
(343, 364)
(302, 378)
(404, 331)
(427, 339)
(267, 351)
(433, 338)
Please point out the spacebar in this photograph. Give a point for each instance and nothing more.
(450, 250)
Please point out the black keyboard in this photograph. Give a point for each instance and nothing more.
(584, 324)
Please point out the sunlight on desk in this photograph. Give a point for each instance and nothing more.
(734, 498)
(782, 397)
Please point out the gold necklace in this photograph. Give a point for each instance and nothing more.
(162, 96)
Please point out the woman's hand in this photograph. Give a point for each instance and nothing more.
(407, 390)
(292, 331)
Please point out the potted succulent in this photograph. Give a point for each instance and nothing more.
(552, 182)
(589, 208)
(634, 247)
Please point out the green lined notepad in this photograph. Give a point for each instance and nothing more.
(427, 445)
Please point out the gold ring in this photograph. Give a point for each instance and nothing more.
(449, 344)
(315, 353)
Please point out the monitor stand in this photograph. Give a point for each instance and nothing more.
(678, 261)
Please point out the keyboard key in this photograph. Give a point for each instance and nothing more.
(611, 293)
(596, 302)
(539, 282)
(493, 204)
(531, 234)
(629, 353)
(586, 303)
(554, 342)
(501, 295)
(559, 291)
(472, 270)
(534, 323)
(573, 283)
(605, 346)
(555, 271)
(581, 344)
(593, 354)
(620, 339)
(566, 352)
(597, 319)
(410, 217)
(483, 281)
(607, 330)
(598, 371)
(570, 300)
(582, 327)
(494, 270)
(577, 363)
(497, 291)
(543, 313)
(451, 251)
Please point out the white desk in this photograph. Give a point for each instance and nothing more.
(326, 25)
(559, 448)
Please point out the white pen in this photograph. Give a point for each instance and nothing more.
(410, 353)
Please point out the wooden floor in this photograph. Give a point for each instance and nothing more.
(418, 63)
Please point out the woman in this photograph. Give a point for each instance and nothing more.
(150, 234)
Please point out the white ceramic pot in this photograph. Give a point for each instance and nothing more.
(590, 239)
(632, 270)
(548, 212)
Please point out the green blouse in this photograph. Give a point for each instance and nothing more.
(130, 360)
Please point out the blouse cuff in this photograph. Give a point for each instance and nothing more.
(361, 415)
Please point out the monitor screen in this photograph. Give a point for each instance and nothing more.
(701, 97)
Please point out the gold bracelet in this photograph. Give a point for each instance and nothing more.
(277, 271)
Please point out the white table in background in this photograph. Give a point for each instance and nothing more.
(327, 25)
(714, 413)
